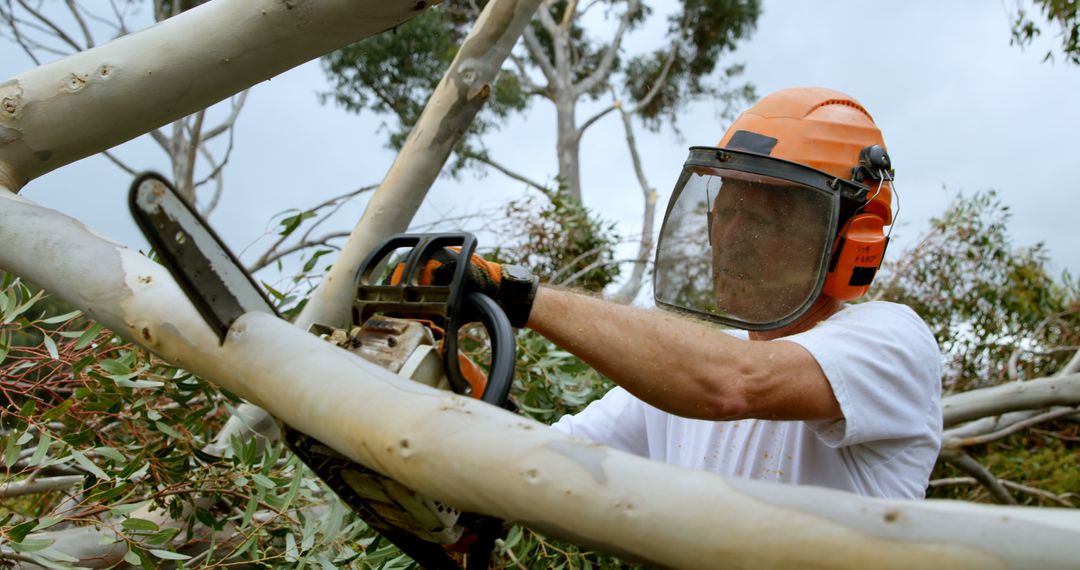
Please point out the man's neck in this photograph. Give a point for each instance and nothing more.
(823, 308)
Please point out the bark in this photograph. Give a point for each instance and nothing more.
(115, 92)
(481, 458)
(446, 117)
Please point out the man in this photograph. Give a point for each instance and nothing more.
(770, 232)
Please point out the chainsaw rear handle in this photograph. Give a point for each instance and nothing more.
(450, 305)
(503, 348)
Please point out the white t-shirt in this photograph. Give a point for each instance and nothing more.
(884, 368)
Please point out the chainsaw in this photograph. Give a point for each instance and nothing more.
(407, 327)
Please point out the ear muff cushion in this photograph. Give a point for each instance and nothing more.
(858, 253)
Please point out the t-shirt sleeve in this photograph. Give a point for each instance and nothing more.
(617, 420)
(884, 367)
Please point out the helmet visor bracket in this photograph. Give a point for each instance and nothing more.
(746, 238)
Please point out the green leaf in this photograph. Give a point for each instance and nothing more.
(50, 345)
(294, 489)
(58, 411)
(278, 295)
(19, 531)
(131, 558)
(31, 545)
(290, 223)
(112, 454)
(85, 463)
(121, 510)
(11, 449)
(291, 553)
(168, 430)
(248, 513)
(86, 338)
(11, 315)
(166, 555)
(137, 474)
(310, 264)
(162, 536)
(263, 481)
(113, 366)
(133, 523)
(122, 381)
(5, 344)
(60, 318)
(47, 522)
(44, 442)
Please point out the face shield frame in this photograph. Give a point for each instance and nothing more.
(846, 197)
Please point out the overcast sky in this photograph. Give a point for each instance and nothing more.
(961, 111)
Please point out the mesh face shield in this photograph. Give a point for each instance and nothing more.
(746, 239)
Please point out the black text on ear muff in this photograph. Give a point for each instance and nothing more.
(859, 250)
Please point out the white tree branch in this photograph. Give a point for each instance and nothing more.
(447, 116)
(630, 289)
(1041, 493)
(603, 69)
(510, 173)
(36, 486)
(967, 464)
(1029, 395)
(158, 75)
(1012, 428)
(592, 120)
(228, 123)
(56, 31)
(88, 39)
(539, 57)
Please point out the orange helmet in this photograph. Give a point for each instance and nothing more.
(820, 128)
(795, 199)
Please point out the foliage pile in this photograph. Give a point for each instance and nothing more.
(999, 315)
(995, 309)
(559, 240)
(125, 445)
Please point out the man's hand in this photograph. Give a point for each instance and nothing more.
(513, 287)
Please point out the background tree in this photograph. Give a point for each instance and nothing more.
(197, 146)
(1062, 15)
(999, 317)
(570, 60)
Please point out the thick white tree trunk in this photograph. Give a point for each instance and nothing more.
(448, 113)
(481, 458)
(63, 111)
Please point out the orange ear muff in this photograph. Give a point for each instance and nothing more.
(857, 255)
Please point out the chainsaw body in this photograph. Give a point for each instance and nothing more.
(403, 325)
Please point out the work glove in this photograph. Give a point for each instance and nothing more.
(513, 287)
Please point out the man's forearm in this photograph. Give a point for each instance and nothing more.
(681, 366)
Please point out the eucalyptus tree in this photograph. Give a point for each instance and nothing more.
(473, 456)
(576, 56)
(1061, 15)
